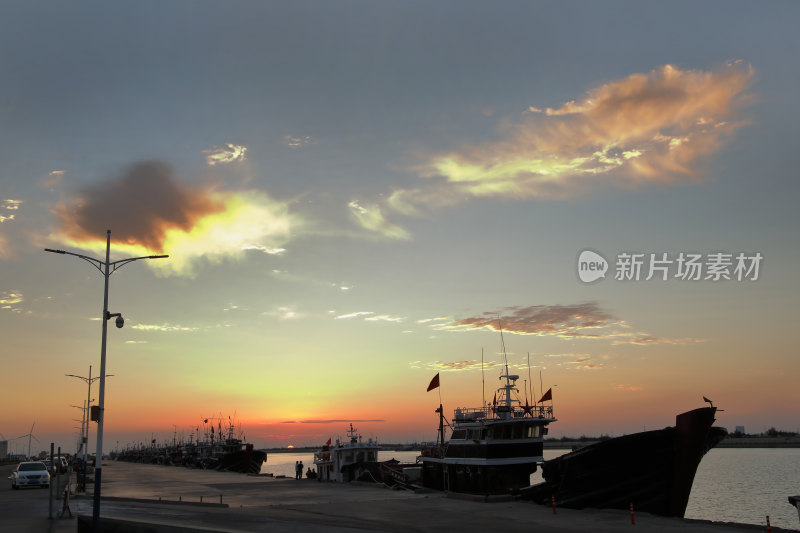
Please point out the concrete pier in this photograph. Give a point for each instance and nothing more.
(161, 499)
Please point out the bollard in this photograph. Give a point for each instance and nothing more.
(179, 498)
(220, 499)
(633, 520)
(769, 528)
(553, 499)
(201, 499)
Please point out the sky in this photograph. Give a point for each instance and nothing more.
(356, 196)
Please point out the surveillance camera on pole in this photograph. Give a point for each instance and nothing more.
(119, 321)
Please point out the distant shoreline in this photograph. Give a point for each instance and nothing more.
(728, 442)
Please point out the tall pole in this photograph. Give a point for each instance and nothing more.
(106, 268)
(86, 437)
(98, 468)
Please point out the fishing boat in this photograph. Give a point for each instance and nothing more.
(354, 459)
(651, 471)
(213, 452)
(492, 449)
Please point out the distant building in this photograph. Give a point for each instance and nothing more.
(3, 450)
(739, 430)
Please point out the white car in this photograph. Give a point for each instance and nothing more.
(32, 473)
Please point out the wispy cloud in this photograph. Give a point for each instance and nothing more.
(629, 388)
(230, 153)
(297, 142)
(164, 327)
(577, 321)
(370, 316)
(429, 320)
(266, 249)
(584, 363)
(355, 315)
(385, 318)
(152, 212)
(645, 339)
(52, 180)
(8, 209)
(371, 218)
(454, 366)
(578, 361)
(285, 313)
(9, 301)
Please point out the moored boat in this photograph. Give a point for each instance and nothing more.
(352, 460)
(795, 500)
(652, 471)
(492, 449)
(214, 452)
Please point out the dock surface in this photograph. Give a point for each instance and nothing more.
(164, 498)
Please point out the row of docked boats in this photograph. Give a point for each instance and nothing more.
(495, 448)
(215, 451)
(492, 450)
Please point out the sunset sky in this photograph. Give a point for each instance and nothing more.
(351, 193)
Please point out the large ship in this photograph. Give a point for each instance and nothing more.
(492, 449)
(652, 471)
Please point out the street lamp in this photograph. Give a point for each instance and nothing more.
(89, 382)
(106, 268)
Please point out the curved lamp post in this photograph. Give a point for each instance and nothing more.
(107, 268)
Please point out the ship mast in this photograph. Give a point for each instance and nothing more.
(505, 406)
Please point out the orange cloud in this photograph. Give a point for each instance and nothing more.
(647, 127)
(140, 206)
(149, 211)
(577, 321)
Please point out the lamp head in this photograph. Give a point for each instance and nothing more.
(119, 321)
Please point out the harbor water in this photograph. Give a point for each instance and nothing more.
(732, 485)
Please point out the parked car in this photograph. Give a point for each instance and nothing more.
(30, 473)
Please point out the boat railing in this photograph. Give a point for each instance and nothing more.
(469, 414)
(466, 414)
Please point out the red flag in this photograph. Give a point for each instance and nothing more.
(328, 443)
(434, 383)
(547, 395)
(153, 441)
(494, 402)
